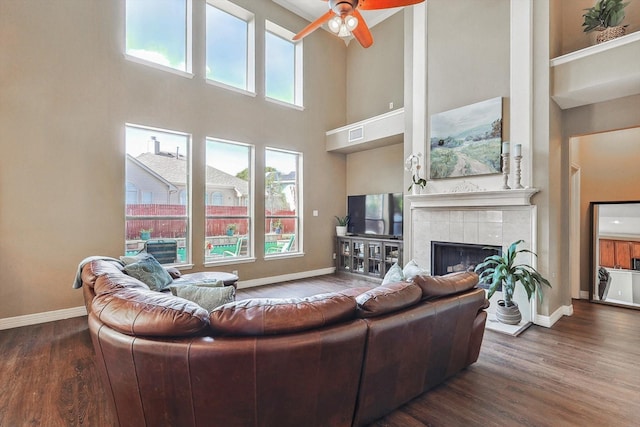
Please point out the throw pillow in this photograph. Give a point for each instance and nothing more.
(411, 270)
(130, 259)
(393, 275)
(180, 283)
(149, 271)
(207, 297)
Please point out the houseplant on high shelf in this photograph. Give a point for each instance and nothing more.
(605, 16)
(341, 228)
(502, 270)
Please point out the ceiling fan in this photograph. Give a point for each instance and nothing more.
(344, 19)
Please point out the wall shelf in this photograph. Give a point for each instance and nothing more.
(597, 73)
(379, 131)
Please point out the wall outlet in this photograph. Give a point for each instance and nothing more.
(334, 255)
(391, 106)
(234, 272)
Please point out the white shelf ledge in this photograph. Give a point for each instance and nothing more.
(603, 72)
(473, 199)
(379, 131)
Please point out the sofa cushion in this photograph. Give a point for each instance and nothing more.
(138, 311)
(206, 297)
(149, 271)
(449, 284)
(388, 298)
(268, 316)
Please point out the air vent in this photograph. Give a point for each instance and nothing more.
(356, 133)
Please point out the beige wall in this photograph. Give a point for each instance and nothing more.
(609, 171)
(375, 75)
(66, 92)
(376, 171)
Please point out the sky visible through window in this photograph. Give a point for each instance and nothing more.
(226, 48)
(279, 68)
(157, 31)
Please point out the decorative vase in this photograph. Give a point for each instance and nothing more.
(341, 230)
(145, 235)
(509, 315)
(416, 189)
(610, 33)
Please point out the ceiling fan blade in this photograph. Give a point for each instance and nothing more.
(361, 32)
(314, 25)
(385, 4)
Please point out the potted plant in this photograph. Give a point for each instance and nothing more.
(145, 234)
(497, 270)
(277, 226)
(605, 16)
(343, 222)
(412, 164)
(231, 229)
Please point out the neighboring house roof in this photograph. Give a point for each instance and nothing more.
(174, 170)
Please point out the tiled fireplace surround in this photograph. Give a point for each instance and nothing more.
(496, 218)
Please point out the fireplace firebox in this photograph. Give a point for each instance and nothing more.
(451, 257)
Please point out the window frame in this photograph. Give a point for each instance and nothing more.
(298, 83)
(188, 71)
(250, 217)
(248, 17)
(299, 217)
(188, 217)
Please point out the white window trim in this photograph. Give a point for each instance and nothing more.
(299, 208)
(251, 211)
(250, 19)
(188, 73)
(298, 98)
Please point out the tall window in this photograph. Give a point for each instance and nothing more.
(160, 32)
(157, 190)
(228, 228)
(283, 65)
(283, 190)
(230, 45)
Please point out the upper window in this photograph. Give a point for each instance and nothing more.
(228, 227)
(157, 193)
(282, 201)
(230, 45)
(283, 65)
(160, 32)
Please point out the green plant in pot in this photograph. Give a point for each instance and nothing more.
(503, 270)
(343, 223)
(605, 16)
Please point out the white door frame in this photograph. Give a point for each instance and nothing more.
(574, 227)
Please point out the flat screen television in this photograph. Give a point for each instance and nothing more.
(377, 215)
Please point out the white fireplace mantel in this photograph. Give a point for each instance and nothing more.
(473, 199)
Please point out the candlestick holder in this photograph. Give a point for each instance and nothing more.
(518, 159)
(505, 170)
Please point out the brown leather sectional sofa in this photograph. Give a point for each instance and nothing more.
(337, 359)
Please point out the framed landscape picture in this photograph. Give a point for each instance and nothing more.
(467, 141)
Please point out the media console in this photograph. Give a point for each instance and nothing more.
(367, 256)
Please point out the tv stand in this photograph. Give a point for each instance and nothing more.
(368, 256)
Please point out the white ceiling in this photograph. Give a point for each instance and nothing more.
(313, 9)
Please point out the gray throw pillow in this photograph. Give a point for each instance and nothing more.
(182, 282)
(207, 297)
(149, 271)
(411, 270)
(394, 274)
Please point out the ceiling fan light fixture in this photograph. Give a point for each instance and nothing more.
(351, 22)
(334, 24)
(344, 31)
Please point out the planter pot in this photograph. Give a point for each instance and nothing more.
(145, 235)
(341, 230)
(416, 189)
(508, 315)
(610, 33)
(229, 232)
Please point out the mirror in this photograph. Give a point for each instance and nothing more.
(616, 253)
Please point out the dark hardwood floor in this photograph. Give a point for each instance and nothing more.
(584, 371)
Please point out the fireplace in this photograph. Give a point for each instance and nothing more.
(450, 257)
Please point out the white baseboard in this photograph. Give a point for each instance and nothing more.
(549, 321)
(47, 316)
(51, 316)
(284, 278)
